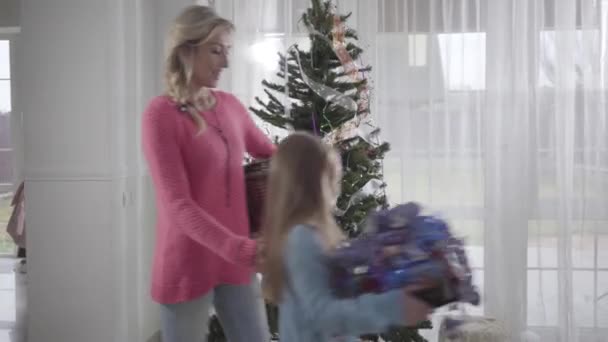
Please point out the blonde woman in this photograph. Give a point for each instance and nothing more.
(194, 139)
(299, 230)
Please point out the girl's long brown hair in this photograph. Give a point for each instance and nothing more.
(302, 171)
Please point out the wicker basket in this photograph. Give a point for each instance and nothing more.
(256, 175)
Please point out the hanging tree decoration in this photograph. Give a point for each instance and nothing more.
(327, 93)
(349, 65)
(351, 128)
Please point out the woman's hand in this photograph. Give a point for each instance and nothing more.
(260, 255)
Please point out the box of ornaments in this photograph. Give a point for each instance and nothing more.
(398, 248)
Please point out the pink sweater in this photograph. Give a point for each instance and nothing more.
(202, 223)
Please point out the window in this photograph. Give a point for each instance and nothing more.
(5, 77)
(6, 151)
(587, 241)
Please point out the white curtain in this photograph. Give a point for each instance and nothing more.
(497, 115)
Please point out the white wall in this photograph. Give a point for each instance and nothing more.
(85, 71)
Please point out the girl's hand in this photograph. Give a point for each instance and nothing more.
(416, 310)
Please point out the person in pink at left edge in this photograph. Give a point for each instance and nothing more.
(194, 140)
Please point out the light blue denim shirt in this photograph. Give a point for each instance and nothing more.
(309, 312)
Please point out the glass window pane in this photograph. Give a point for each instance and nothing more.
(583, 250)
(552, 41)
(542, 243)
(582, 290)
(6, 156)
(418, 47)
(6, 171)
(602, 244)
(602, 300)
(604, 43)
(5, 96)
(472, 231)
(5, 65)
(463, 58)
(542, 298)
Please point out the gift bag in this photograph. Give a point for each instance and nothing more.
(256, 179)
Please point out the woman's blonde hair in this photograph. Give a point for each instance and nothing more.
(192, 27)
(296, 195)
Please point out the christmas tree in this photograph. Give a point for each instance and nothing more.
(323, 90)
(328, 95)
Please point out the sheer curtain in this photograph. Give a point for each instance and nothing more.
(497, 115)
